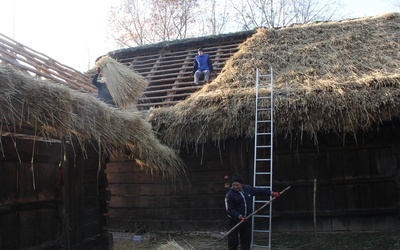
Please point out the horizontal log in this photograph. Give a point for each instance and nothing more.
(160, 213)
(168, 202)
(141, 177)
(162, 189)
(32, 205)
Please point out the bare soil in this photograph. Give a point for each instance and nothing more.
(281, 241)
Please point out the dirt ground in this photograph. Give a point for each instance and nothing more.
(281, 241)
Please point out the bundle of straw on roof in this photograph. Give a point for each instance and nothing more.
(125, 86)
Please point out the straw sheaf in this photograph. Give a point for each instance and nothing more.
(55, 111)
(125, 86)
(334, 76)
(173, 245)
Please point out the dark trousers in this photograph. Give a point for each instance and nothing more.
(243, 232)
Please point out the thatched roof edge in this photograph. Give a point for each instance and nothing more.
(57, 112)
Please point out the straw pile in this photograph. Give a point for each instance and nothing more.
(56, 111)
(340, 77)
(125, 86)
(173, 245)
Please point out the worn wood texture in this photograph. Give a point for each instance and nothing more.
(357, 183)
(47, 205)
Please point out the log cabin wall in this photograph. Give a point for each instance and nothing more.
(357, 182)
(357, 185)
(47, 205)
(195, 202)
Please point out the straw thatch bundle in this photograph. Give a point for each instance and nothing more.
(125, 86)
(173, 245)
(334, 76)
(56, 111)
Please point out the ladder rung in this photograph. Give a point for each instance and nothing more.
(261, 216)
(263, 173)
(263, 109)
(264, 97)
(261, 231)
(261, 201)
(263, 133)
(263, 159)
(263, 121)
(263, 187)
(263, 146)
(259, 247)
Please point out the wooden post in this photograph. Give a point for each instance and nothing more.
(315, 209)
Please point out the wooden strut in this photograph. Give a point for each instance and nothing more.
(251, 215)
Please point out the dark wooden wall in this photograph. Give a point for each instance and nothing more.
(357, 185)
(195, 201)
(47, 204)
(358, 182)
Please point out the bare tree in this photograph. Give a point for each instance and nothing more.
(275, 13)
(139, 22)
(171, 18)
(130, 23)
(306, 11)
(217, 17)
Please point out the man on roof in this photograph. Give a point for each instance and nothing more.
(103, 93)
(202, 66)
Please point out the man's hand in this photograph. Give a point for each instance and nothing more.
(242, 218)
(276, 194)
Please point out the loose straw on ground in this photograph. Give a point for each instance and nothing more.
(173, 245)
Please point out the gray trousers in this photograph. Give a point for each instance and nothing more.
(198, 73)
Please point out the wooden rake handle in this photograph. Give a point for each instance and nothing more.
(253, 213)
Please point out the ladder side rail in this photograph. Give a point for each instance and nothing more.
(271, 152)
(268, 124)
(255, 148)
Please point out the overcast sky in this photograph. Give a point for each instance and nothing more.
(73, 32)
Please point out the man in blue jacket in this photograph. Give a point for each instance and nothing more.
(239, 205)
(202, 66)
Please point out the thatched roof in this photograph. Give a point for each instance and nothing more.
(330, 77)
(56, 111)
